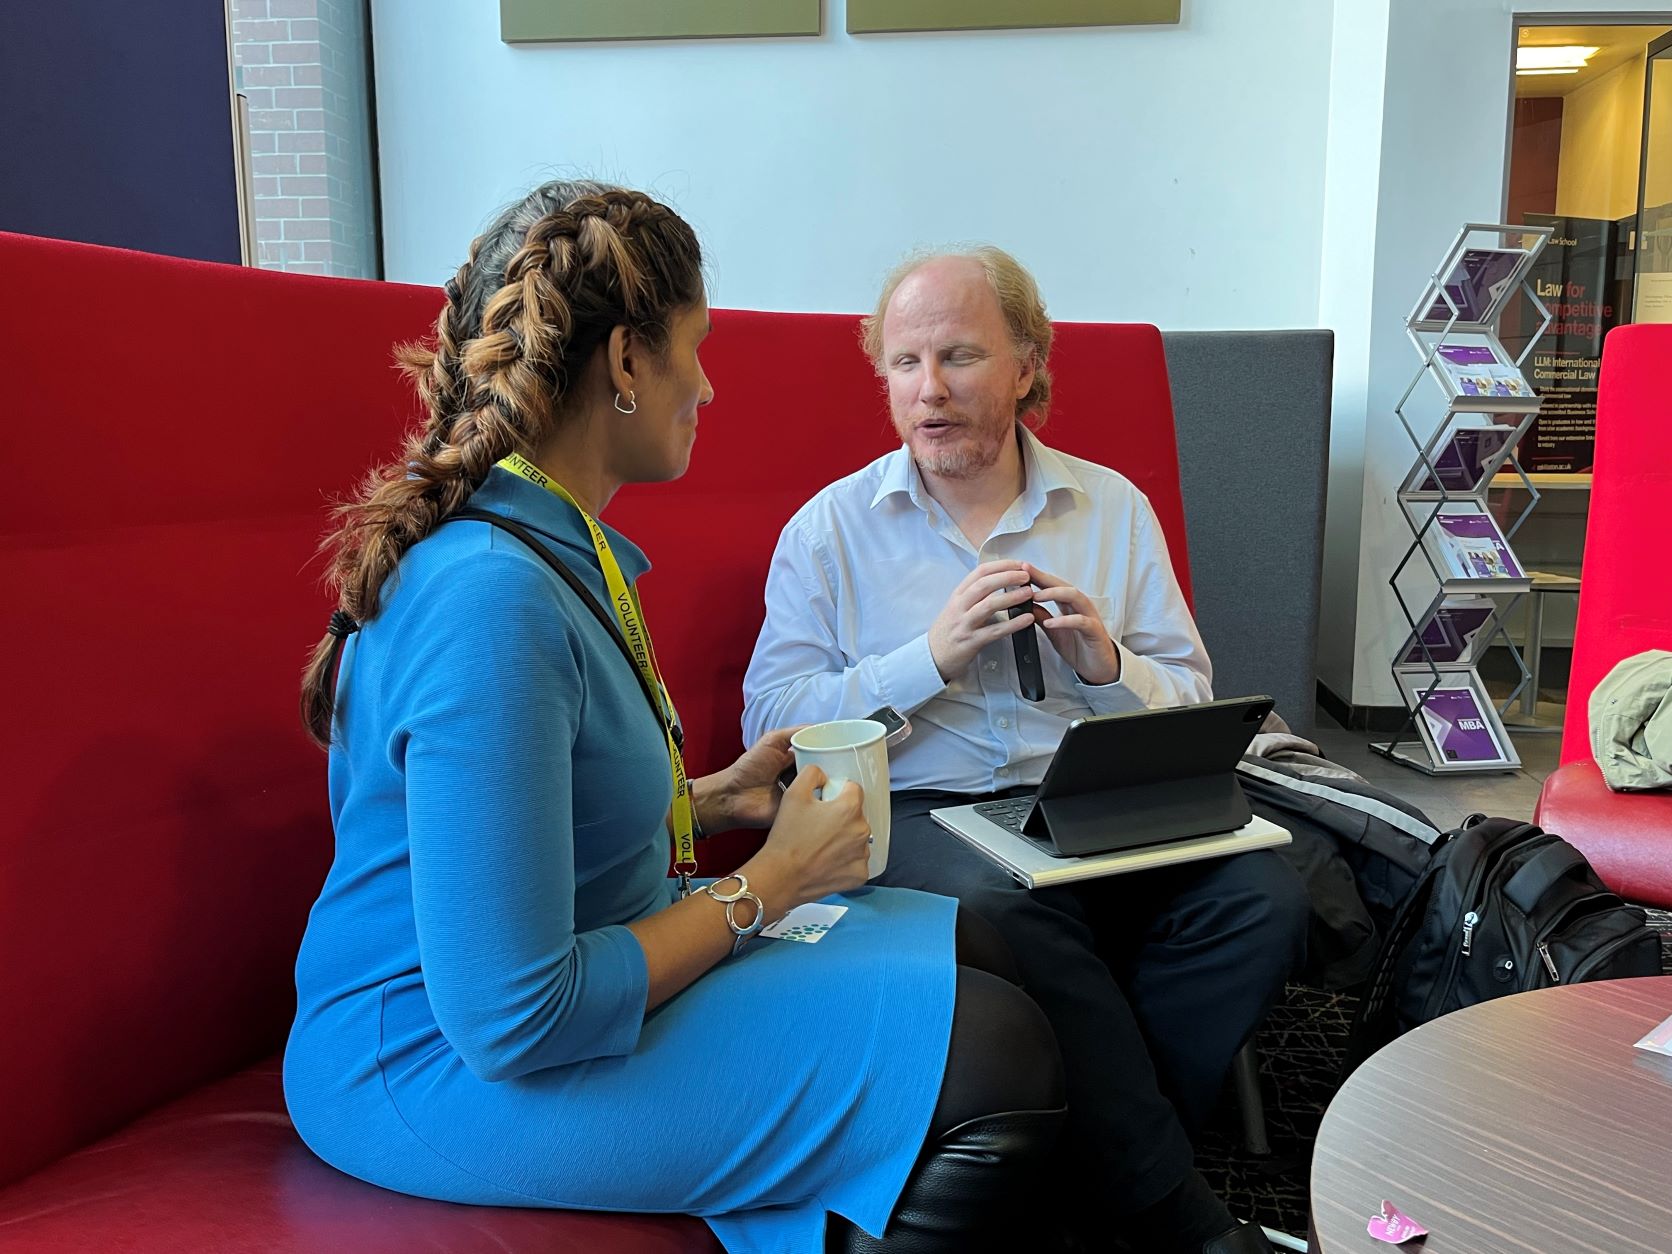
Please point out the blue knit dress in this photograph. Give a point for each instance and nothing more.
(471, 1021)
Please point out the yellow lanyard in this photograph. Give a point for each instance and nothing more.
(625, 601)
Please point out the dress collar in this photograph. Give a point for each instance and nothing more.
(511, 496)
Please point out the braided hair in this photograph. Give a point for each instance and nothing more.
(541, 290)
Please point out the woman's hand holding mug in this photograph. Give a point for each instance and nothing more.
(815, 847)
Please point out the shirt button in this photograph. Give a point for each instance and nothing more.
(992, 666)
(1002, 771)
(1004, 722)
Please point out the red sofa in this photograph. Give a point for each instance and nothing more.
(176, 431)
(1625, 607)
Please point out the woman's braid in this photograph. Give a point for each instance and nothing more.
(542, 289)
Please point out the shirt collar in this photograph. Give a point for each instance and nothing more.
(514, 497)
(899, 474)
(1046, 469)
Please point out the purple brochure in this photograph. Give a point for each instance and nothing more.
(1448, 634)
(1478, 550)
(1475, 282)
(1459, 730)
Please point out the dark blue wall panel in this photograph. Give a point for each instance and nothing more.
(115, 125)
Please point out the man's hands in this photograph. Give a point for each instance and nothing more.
(1075, 631)
(966, 624)
(973, 618)
(746, 794)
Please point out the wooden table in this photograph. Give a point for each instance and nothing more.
(1526, 1124)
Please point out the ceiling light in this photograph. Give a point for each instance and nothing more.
(1526, 72)
(1571, 56)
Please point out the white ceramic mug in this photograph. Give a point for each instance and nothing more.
(852, 749)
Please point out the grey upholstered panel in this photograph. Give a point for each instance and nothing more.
(1252, 412)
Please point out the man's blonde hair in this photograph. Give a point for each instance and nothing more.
(1019, 301)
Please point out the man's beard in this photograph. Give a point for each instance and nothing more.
(977, 452)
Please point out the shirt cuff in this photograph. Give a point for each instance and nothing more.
(908, 677)
(1125, 694)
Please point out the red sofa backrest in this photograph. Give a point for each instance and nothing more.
(178, 429)
(175, 429)
(1625, 595)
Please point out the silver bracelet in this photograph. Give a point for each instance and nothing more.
(742, 934)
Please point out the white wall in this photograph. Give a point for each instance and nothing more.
(1352, 183)
(1602, 145)
(1164, 174)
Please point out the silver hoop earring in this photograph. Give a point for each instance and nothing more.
(632, 406)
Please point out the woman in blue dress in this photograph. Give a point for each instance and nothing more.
(502, 997)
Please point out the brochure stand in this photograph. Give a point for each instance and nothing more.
(1456, 599)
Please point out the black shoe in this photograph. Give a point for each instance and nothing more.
(1243, 1239)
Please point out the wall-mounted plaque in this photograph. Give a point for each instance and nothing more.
(874, 16)
(552, 21)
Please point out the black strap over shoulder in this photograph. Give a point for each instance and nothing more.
(580, 590)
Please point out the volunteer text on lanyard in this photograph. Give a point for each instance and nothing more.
(625, 602)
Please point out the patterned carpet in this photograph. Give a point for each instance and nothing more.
(1300, 1058)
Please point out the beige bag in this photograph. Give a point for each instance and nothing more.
(1631, 723)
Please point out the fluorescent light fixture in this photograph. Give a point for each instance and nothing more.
(1526, 72)
(1571, 57)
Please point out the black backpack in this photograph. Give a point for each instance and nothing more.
(1503, 907)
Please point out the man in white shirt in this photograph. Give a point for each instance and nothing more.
(891, 586)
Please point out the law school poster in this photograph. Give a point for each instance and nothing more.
(1574, 277)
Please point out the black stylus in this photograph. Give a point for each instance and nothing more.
(1029, 677)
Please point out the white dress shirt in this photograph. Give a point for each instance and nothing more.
(863, 569)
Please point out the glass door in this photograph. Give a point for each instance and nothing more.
(1652, 290)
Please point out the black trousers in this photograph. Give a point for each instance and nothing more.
(1151, 981)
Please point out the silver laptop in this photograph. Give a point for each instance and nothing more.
(1037, 869)
(1145, 788)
